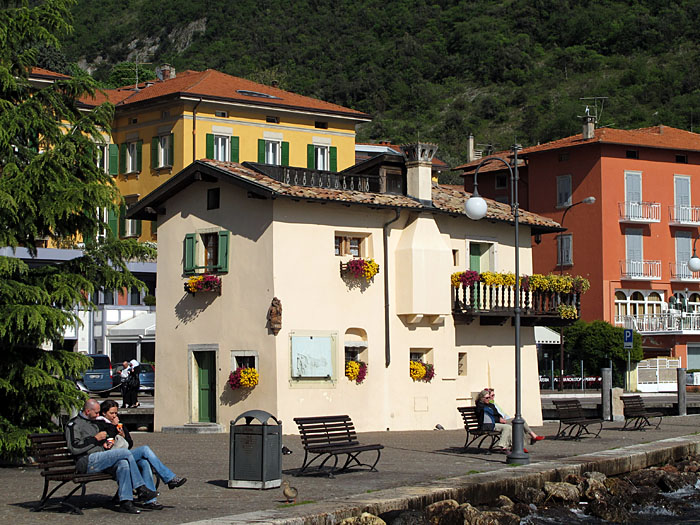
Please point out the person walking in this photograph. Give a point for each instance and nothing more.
(123, 378)
(131, 400)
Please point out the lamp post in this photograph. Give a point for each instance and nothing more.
(587, 200)
(476, 208)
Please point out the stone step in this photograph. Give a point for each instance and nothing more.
(195, 428)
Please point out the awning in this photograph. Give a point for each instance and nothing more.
(142, 325)
(546, 336)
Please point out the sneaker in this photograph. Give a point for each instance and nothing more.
(176, 482)
(127, 506)
(145, 494)
(154, 505)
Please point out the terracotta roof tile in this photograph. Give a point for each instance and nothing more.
(217, 85)
(490, 166)
(653, 137)
(41, 72)
(445, 198)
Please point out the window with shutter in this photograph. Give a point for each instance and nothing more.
(113, 159)
(681, 186)
(285, 154)
(565, 250)
(235, 149)
(333, 158)
(206, 252)
(563, 191)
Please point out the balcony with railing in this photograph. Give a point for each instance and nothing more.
(640, 270)
(639, 212)
(681, 272)
(684, 215)
(669, 321)
(494, 305)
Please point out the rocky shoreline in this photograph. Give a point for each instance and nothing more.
(620, 499)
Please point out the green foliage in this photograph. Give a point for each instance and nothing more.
(424, 69)
(125, 74)
(596, 343)
(50, 187)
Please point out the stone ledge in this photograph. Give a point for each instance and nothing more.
(195, 428)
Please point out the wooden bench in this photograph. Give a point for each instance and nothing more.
(572, 421)
(329, 437)
(476, 434)
(636, 414)
(58, 464)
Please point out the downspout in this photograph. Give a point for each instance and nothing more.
(387, 340)
(194, 130)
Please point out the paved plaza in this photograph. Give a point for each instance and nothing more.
(408, 459)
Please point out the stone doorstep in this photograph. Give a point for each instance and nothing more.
(475, 488)
(195, 428)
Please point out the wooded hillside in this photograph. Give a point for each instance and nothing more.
(435, 70)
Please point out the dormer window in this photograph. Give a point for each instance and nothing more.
(682, 159)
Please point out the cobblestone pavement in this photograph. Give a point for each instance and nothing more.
(409, 458)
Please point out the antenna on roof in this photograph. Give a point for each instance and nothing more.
(597, 110)
(136, 86)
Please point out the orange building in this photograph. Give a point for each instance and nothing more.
(634, 242)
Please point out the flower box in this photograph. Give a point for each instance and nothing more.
(356, 371)
(420, 371)
(243, 377)
(203, 283)
(359, 268)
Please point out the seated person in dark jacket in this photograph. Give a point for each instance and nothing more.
(94, 452)
(490, 419)
(144, 456)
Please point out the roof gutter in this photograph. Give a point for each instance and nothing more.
(387, 338)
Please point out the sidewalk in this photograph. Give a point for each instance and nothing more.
(409, 459)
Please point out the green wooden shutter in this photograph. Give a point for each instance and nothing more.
(210, 146)
(113, 222)
(122, 220)
(138, 228)
(113, 159)
(222, 263)
(475, 257)
(311, 156)
(190, 252)
(122, 158)
(285, 154)
(261, 151)
(235, 149)
(139, 148)
(154, 152)
(171, 150)
(333, 157)
(154, 227)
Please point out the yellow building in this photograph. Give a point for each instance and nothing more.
(164, 125)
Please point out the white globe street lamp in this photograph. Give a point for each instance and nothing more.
(694, 262)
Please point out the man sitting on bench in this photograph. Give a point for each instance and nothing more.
(94, 453)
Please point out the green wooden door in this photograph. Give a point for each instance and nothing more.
(206, 385)
(475, 257)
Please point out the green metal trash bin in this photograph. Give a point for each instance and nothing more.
(255, 451)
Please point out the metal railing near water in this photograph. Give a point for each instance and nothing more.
(669, 321)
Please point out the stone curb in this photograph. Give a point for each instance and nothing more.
(475, 488)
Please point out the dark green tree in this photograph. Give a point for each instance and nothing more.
(598, 342)
(50, 188)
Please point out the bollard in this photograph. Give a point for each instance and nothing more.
(681, 391)
(605, 391)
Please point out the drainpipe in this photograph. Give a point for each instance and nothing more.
(194, 130)
(387, 340)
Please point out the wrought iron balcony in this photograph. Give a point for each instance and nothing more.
(669, 321)
(684, 215)
(681, 272)
(639, 212)
(494, 305)
(640, 270)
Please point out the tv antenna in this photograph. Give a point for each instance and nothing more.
(594, 107)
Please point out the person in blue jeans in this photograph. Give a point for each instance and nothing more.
(95, 452)
(145, 458)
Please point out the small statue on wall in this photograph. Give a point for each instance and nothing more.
(274, 316)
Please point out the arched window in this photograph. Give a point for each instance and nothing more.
(654, 303)
(694, 302)
(637, 306)
(355, 345)
(620, 304)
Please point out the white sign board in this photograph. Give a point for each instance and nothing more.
(312, 356)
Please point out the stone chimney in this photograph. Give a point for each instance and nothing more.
(588, 126)
(470, 148)
(165, 72)
(419, 167)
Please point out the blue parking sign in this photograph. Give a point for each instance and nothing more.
(629, 338)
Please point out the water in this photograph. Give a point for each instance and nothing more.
(681, 507)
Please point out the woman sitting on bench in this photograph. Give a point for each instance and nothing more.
(490, 419)
(534, 438)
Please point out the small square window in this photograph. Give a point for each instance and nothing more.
(501, 181)
(272, 120)
(321, 125)
(345, 245)
(165, 115)
(563, 157)
(213, 198)
(632, 154)
(462, 364)
(133, 121)
(221, 114)
(455, 257)
(563, 191)
(682, 159)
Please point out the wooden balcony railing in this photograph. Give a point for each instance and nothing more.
(496, 304)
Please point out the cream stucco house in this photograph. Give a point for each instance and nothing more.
(286, 233)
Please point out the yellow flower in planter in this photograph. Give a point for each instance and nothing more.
(417, 370)
(567, 311)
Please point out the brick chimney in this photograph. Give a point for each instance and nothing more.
(419, 166)
(165, 72)
(588, 126)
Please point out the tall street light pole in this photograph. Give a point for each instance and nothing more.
(475, 208)
(587, 200)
